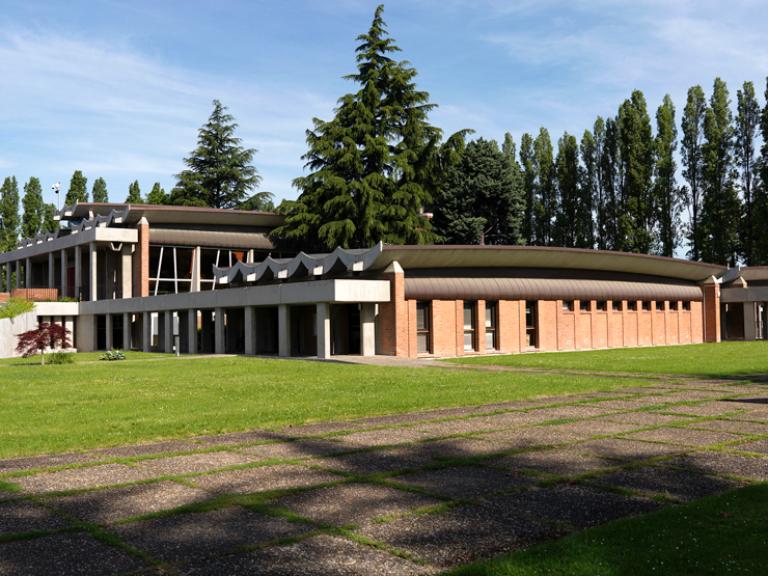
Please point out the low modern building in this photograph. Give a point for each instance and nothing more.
(200, 280)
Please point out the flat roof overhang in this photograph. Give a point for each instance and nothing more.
(95, 234)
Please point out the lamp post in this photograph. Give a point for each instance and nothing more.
(56, 188)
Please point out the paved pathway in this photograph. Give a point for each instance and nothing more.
(399, 495)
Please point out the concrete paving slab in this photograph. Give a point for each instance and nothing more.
(595, 427)
(644, 418)
(191, 463)
(317, 556)
(193, 538)
(560, 462)
(33, 462)
(706, 409)
(64, 555)
(379, 461)
(722, 463)
(353, 504)
(626, 450)
(684, 436)
(733, 426)
(81, 478)
(458, 448)
(538, 436)
(299, 449)
(759, 446)
(105, 506)
(23, 516)
(262, 479)
(384, 437)
(466, 482)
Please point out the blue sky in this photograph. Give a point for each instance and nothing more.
(119, 89)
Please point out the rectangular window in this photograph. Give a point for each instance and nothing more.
(491, 320)
(673, 305)
(601, 305)
(423, 327)
(531, 324)
(687, 305)
(470, 326)
(632, 305)
(568, 306)
(585, 305)
(647, 306)
(616, 305)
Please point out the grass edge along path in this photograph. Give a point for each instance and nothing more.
(723, 534)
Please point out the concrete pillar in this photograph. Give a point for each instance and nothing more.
(51, 271)
(69, 326)
(191, 331)
(93, 272)
(7, 283)
(141, 260)
(78, 273)
(750, 321)
(250, 330)
(167, 334)
(323, 319)
(218, 331)
(86, 333)
(711, 309)
(146, 332)
(64, 275)
(195, 287)
(283, 330)
(109, 332)
(126, 269)
(368, 329)
(127, 331)
(27, 273)
(18, 273)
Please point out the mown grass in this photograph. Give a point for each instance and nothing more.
(726, 534)
(724, 359)
(48, 409)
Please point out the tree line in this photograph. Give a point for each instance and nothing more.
(378, 170)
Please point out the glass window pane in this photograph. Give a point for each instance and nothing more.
(422, 340)
(421, 317)
(469, 316)
(489, 341)
(468, 341)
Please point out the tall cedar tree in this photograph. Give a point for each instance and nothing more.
(134, 193)
(747, 124)
(99, 192)
(259, 202)
(588, 179)
(567, 166)
(32, 220)
(9, 214)
(720, 205)
(482, 200)
(599, 196)
(611, 171)
(49, 221)
(528, 167)
(78, 189)
(371, 165)
(157, 195)
(545, 204)
(760, 208)
(667, 195)
(219, 171)
(693, 163)
(636, 149)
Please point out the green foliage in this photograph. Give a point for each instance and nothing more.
(482, 201)
(112, 355)
(60, 358)
(529, 179)
(373, 166)
(99, 192)
(219, 171)
(667, 196)
(134, 193)
(545, 203)
(760, 245)
(49, 221)
(16, 307)
(157, 195)
(31, 222)
(588, 192)
(78, 189)
(9, 214)
(259, 202)
(693, 163)
(747, 124)
(568, 192)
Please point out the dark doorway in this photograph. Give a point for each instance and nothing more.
(345, 329)
(101, 332)
(234, 332)
(732, 318)
(303, 335)
(266, 330)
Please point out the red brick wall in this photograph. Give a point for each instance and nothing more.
(711, 312)
(36, 294)
(141, 262)
(549, 315)
(697, 322)
(615, 326)
(565, 327)
(394, 319)
(600, 328)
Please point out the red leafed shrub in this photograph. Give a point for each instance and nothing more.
(46, 335)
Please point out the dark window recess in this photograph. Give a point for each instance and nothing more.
(686, 304)
(647, 305)
(531, 324)
(601, 305)
(423, 327)
(673, 305)
(568, 305)
(616, 305)
(470, 326)
(585, 305)
(632, 305)
(491, 321)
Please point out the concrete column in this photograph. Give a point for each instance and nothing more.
(750, 321)
(195, 287)
(7, 284)
(167, 334)
(323, 319)
(27, 273)
(368, 329)
(78, 272)
(283, 330)
(250, 330)
(109, 343)
(127, 332)
(64, 275)
(126, 270)
(218, 331)
(93, 272)
(69, 325)
(192, 330)
(18, 273)
(51, 271)
(86, 333)
(711, 309)
(146, 332)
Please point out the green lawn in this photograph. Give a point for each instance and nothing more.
(726, 534)
(712, 360)
(89, 404)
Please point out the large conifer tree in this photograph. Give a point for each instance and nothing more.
(588, 191)
(567, 166)
(157, 195)
(528, 167)
(611, 177)
(9, 214)
(693, 163)
(78, 189)
(134, 193)
(545, 204)
(32, 220)
(666, 192)
(371, 165)
(99, 192)
(747, 124)
(760, 202)
(219, 171)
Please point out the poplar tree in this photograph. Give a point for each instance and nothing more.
(760, 204)
(78, 190)
(588, 191)
(667, 195)
(567, 165)
(370, 164)
(747, 124)
(9, 214)
(545, 204)
(693, 164)
(49, 221)
(31, 222)
(636, 149)
(529, 178)
(720, 206)
(611, 177)
(219, 171)
(157, 195)
(99, 192)
(134, 193)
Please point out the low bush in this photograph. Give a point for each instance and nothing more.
(16, 307)
(60, 358)
(111, 355)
